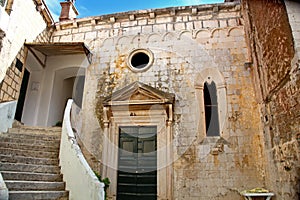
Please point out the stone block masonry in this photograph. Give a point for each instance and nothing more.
(148, 21)
(189, 44)
(10, 86)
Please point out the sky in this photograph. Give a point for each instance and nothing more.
(88, 8)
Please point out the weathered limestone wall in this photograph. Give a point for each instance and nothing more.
(189, 45)
(276, 70)
(292, 8)
(24, 23)
(11, 84)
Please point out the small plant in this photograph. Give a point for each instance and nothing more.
(59, 124)
(106, 182)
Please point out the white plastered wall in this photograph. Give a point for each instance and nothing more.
(29, 115)
(15, 26)
(44, 103)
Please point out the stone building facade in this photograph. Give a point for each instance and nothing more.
(167, 68)
(217, 51)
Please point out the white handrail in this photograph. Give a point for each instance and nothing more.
(3, 189)
(7, 115)
(81, 181)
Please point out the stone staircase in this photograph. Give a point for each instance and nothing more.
(29, 163)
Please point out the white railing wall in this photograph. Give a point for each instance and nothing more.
(81, 182)
(3, 189)
(7, 115)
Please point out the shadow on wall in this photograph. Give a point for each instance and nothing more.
(68, 84)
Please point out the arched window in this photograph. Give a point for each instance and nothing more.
(211, 109)
(210, 88)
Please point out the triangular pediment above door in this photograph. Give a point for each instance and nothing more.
(138, 93)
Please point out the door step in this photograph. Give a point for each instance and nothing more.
(29, 176)
(34, 185)
(22, 167)
(39, 195)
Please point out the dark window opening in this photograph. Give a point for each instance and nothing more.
(140, 60)
(19, 65)
(22, 96)
(78, 90)
(211, 109)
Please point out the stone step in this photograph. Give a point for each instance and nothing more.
(36, 130)
(34, 185)
(28, 160)
(53, 143)
(29, 176)
(32, 136)
(28, 147)
(29, 163)
(17, 167)
(38, 195)
(28, 153)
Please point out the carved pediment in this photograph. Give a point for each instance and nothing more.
(139, 93)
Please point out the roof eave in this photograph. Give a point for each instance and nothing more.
(42, 7)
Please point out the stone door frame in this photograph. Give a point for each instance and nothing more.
(145, 112)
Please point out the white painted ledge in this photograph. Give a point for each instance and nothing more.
(3, 189)
(7, 115)
(81, 182)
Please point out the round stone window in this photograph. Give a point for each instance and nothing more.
(140, 60)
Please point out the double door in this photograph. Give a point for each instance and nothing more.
(137, 163)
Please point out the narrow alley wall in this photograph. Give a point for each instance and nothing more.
(277, 83)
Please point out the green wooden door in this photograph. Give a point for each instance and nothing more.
(137, 163)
